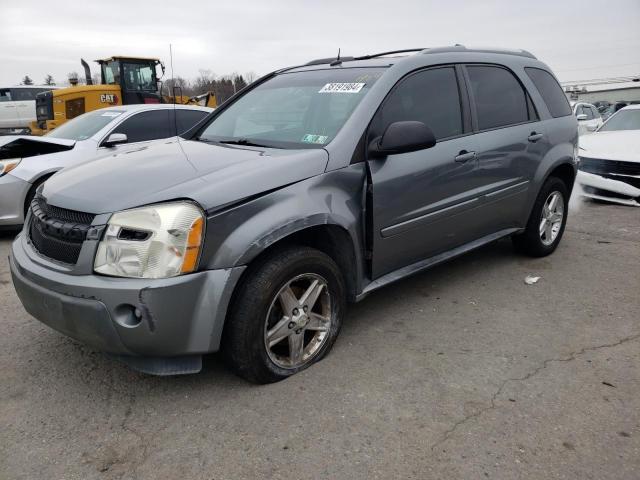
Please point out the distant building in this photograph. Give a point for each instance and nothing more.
(627, 92)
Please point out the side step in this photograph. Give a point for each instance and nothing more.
(433, 261)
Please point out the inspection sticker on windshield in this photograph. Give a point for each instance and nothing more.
(308, 138)
(342, 88)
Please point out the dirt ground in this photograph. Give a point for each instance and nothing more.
(462, 372)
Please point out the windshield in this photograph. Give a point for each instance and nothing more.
(294, 110)
(86, 125)
(623, 120)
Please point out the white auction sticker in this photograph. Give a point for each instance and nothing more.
(111, 114)
(342, 88)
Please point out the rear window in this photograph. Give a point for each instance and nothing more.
(550, 91)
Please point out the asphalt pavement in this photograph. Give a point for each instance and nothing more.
(462, 372)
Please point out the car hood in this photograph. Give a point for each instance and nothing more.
(213, 175)
(23, 146)
(615, 145)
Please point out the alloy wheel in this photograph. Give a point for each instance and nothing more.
(551, 219)
(298, 321)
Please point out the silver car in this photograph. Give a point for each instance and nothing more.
(27, 162)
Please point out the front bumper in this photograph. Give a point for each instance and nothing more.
(171, 317)
(609, 189)
(13, 192)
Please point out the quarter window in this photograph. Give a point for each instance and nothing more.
(431, 97)
(499, 98)
(550, 91)
(5, 95)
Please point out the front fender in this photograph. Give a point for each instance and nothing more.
(236, 236)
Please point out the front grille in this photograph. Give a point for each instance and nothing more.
(58, 233)
(595, 165)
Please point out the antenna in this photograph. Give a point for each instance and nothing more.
(173, 88)
(337, 61)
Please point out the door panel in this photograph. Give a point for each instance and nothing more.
(423, 204)
(507, 162)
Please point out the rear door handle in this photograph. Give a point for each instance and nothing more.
(534, 137)
(465, 156)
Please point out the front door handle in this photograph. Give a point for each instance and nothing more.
(534, 137)
(465, 156)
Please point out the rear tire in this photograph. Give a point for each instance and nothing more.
(285, 316)
(546, 222)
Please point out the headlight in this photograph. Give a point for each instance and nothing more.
(7, 165)
(157, 241)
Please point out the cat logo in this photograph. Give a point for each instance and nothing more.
(108, 98)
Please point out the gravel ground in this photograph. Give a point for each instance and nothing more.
(460, 372)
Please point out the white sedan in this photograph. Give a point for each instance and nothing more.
(26, 162)
(609, 167)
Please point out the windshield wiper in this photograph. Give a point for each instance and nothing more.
(243, 141)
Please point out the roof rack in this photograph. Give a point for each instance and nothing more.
(451, 49)
(390, 52)
(461, 48)
(322, 61)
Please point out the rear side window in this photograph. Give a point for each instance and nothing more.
(499, 98)
(147, 126)
(188, 118)
(5, 95)
(431, 97)
(550, 91)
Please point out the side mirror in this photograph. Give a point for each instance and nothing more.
(402, 137)
(581, 117)
(115, 139)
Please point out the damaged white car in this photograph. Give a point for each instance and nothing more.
(609, 167)
(27, 162)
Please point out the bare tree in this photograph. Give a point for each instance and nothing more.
(27, 80)
(250, 77)
(48, 80)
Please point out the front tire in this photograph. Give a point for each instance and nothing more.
(285, 316)
(547, 220)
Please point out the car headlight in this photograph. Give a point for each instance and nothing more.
(9, 164)
(157, 241)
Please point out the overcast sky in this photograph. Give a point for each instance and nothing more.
(579, 39)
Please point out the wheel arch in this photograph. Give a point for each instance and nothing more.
(332, 239)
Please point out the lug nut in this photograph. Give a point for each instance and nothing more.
(291, 325)
(295, 311)
(305, 308)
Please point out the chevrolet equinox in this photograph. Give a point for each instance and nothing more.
(310, 188)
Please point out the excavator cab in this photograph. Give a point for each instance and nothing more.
(136, 77)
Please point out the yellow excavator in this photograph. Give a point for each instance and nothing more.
(124, 81)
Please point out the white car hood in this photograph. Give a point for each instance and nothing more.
(621, 145)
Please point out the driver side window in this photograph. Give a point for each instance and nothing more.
(429, 96)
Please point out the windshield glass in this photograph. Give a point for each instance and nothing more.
(294, 110)
(85, 126)
(623, 120)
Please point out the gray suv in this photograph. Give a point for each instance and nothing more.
(312, 187)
